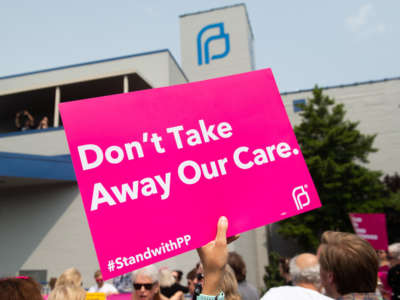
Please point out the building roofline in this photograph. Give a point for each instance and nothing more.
(343, 85)
(90, 63)
(219, 8)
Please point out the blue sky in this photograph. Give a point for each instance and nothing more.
(304, 42)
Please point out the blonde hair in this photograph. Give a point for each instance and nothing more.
(70, 276)
(97, 274)
(67, 292)
(229, 285)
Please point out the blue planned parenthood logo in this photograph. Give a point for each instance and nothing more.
(206, 43)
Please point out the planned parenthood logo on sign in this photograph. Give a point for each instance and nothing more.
(203, 46)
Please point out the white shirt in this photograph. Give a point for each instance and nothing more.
(106, 289)
(293, 292)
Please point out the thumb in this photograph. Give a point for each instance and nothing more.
(221, 230)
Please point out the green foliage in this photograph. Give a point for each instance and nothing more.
(392, 207)
(392, 182)
(272, 277)
(335, 152)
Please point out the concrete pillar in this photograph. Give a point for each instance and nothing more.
(261, 245)
(126, 84)
(57, 100)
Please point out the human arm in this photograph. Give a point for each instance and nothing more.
(177, 296)
(29, 116)
(17, 121)
(214, 257)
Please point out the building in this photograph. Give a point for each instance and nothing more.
(42, 224)
(42, 217)
(375, 105)
(216, 42)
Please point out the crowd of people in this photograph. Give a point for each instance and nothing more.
(345, 267)
(25, 121)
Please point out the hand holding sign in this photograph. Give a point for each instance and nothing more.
(214, 257)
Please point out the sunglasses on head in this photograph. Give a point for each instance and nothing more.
(147, 286)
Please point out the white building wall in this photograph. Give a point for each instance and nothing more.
(377, 107)
(52, 142)
(175, 74)
(236, 24)
(48, 232)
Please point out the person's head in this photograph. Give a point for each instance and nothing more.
(177, 275)
(19, 288)
(98, 277)
(284, 268)
(382, 255)
(199, 278)
(22, 118)
(52, 283)
(67, 292)
(348, 264)
(304, 271)
(229, 284)
(145, 283)
(44, 122)
(394, 254)
(190, 280)
(70, 276)
(236, 262)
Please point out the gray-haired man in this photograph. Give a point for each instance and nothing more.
(304, 272)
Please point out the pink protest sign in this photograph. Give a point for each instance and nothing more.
(157, 168)
(120, 297)
(371, 227)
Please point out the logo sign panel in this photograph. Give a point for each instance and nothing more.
(372, 228)
(157, 168)
(203, 44)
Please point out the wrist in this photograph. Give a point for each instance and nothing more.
(212, 283)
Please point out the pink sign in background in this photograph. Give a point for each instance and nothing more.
(119, 297)
(371, 227)
(226, 148)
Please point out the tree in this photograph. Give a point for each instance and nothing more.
(336, 153)
(392, 182)
(392, 207)
(272, 277)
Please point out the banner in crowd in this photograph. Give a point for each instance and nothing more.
(157, 168)
(120, 297)
(371, 227)
(96, 296)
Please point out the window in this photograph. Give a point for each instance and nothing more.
(297, 103)
(39, 275)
